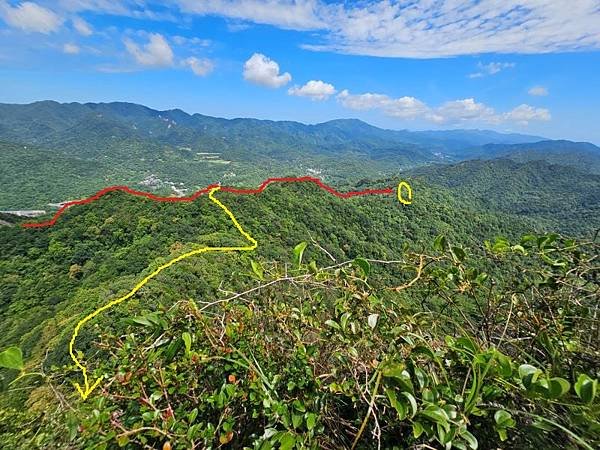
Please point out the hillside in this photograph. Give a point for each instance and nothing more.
(276, 347)
(557, 197)
(292, 318)
(581, 155)
(122, 143)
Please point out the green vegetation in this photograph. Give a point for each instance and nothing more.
(52, 152)
(554, 196)
(390, 326)
(461, 321)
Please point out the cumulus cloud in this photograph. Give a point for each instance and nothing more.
(71, 49)
(314, 89)
(402, 107)
(200, 66)
(524, 114)
(263, 71)
(462, 111)
(30, 17)
(538, 91)
(155, 53)
(490, 69)
(82, 27)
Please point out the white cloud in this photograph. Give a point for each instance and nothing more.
(523, 114)
(156, 53)
(463, 111)
(71, 49)
(195, 41)
(424, 29)
(29, 16)
(490, 69)
(263, 71)
(289, 14)
(402, 107)
(139, 9)
(538, 91)
(314, 89)
(82, 27)
(200, 66)
(121, 7)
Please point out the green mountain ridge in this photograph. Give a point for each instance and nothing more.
(126, 144)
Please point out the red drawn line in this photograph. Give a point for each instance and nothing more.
(197, 194)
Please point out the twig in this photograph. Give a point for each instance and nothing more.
(366, 419)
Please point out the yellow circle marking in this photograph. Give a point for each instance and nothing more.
(401, 199)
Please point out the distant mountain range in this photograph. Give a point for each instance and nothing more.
(51, 123)
(71, 148)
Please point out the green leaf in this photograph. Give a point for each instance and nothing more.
(12, 358)
(504, 419)
(417, 429)
(287, 441)
(471, 440)
(332, 324)
(518, 248)
(364, 266)
(398, 406)
(187, 340)
(500, 245)
(458, 254)
(142, 321)
(311, 420)
(437, 415)
(557, 387)
(257, 269)
(412, 401)
(528, 375)
(299, 406)
(504, 364)
(298, 252)
(502, 434)
(192, 415)
(545, 241)
(297, 420)
(122, 441)
(440, 243)
(585, 388)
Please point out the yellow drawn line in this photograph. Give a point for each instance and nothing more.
(401, 199)
(87, 389)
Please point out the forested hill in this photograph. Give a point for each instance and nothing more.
(417, 314)
(292, 318)
(52, 152)
(557, 197)
(581, 155)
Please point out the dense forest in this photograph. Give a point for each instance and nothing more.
(356, 323)
(467, 319)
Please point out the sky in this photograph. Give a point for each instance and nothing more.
(527, 66)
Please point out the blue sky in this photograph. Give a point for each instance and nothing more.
(528, 66)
